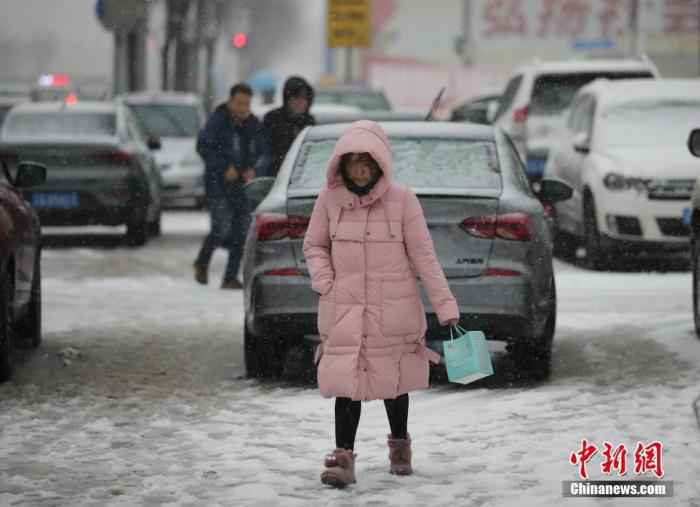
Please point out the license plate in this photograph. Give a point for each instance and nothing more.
(60, 200)
(686, 216)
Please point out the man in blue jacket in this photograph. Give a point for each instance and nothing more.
(233, 148)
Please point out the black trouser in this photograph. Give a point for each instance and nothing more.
(229, 224)
(347, 418)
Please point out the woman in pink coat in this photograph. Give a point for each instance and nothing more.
(366, 243)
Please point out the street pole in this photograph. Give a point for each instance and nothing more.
(634, 42)
(348, 65)
(120, 68)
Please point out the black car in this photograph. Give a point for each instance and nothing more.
(101, 169)
(20, 264)
(692, 218)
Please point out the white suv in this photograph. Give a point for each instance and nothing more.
(537, 94)
(622, 153)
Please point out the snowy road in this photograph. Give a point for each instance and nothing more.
(136, 397)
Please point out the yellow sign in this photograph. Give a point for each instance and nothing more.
(349, 23)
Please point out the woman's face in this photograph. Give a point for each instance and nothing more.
(360, 168)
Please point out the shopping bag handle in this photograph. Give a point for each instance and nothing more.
(459, 328)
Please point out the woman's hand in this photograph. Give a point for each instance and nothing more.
(452, 322)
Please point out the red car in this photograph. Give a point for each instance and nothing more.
(20, 264)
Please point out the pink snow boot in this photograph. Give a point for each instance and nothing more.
(400, 455)
(340, 468)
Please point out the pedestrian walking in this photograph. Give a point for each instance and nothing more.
(233, 148)
(366, 243)
(282, 125)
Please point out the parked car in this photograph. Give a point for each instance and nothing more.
(328, 117)
(537, 94)
(101, 169)
(692, 219)
(174, 118)
(490, 234)
(363, 98)
(480, 110)
(631, 182)
(7, 103)
(20, 264)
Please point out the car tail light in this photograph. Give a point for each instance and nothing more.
(511, 226)
(520, 115)
(271, 226)
(116, 157)
(502, 272)
(283, 272)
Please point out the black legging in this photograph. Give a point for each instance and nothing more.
(347, 418)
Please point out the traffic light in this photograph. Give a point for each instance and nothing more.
(239, 40)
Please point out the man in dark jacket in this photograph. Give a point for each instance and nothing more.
(234, 152)
(282, 125)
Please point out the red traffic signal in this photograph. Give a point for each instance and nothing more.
(240, 40)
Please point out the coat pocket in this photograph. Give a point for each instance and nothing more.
(401, 309)
(326, 312)
(414, 372)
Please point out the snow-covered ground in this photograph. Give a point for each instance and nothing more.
(137, 397)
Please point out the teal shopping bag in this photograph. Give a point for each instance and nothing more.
(467, 356)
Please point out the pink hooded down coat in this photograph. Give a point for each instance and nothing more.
(363, 254)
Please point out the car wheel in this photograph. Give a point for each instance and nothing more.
(264, 357)
(696, 287)
(533, 358)
(154, 227)
(6, 327)
(137, 232)
(596, 257)
(252, 355)
(29, 327)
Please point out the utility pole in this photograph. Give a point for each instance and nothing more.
(127, 20)
(634, 32)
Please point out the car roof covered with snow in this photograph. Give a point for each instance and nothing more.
(424, 129)
(613, 92)
(160, 98)
(59, 106)
(583, 66)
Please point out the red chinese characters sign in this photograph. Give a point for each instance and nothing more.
(573, 19)
(648, 459)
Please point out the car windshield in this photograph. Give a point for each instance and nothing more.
(661, 122)
(418, 162)
(59, 125)
(3, 112)
(552, 93)
(167, 120)
(366, 101)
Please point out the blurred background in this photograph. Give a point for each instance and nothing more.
(203, 46)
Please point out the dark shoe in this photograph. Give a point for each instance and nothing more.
(400, 455)
(231, 284)
(201, 274)
(340, 468)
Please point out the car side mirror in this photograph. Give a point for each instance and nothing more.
(694, 142)
(491, 111)
(582, 143)
(554, 190)
(30, 174)
(257, 189)
(154, 143)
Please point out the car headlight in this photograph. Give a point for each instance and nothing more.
(618, 182)
(615, 181)
(192, 159)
